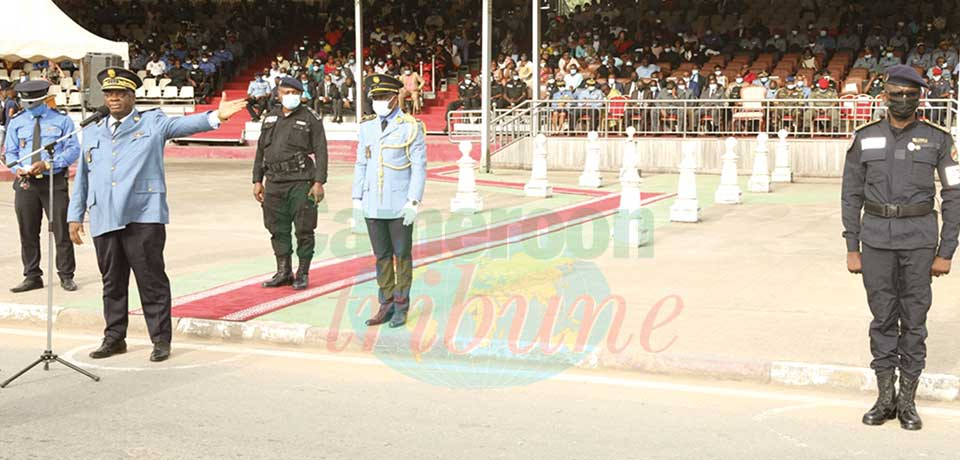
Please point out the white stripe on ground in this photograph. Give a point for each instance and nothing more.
(570, 377)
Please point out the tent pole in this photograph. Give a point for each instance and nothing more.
(485, 77)
(83, 98)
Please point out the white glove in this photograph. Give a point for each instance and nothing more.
(410, 213)
(357, 219)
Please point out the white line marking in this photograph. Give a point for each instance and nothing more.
(575, 377)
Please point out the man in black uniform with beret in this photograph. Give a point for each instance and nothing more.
(291, 132)
(889, 174)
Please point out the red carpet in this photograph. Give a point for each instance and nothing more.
(245, 300)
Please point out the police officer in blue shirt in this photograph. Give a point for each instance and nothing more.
(388, 182)
(120, 183)
(35, 127)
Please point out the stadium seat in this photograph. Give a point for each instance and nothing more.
(170, 92)
(74, 100)
(4, 75)
(54, 90)
(35, 74)
(154, 93)
(142, 74)
(150, 83)
(140, 92)
(164, 82)
(186, 92)
(15, 74)
(60, 99)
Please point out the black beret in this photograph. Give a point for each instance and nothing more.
(33, 90)
(290, 82)
(905, 76)
(118, 78)
(381, 83)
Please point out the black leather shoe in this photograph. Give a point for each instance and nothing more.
(284, 275)
(161, 351)
(28, 284)
(109, 347)
(906, 406)
(383, 315)
(68, 284)
(303, 275)
(399, 317)
(886, 406)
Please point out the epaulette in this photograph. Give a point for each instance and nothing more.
(406, 118)
(858, 128)
(315, 114)
(937, 127)
(367, 118)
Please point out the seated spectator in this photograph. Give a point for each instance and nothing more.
(412, 88)
(645, 70)
(889, 59)
(258, 91)
(867, 61)
(919, 57)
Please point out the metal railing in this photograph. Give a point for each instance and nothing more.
(687, 118)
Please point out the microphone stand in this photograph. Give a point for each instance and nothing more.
(48, 356)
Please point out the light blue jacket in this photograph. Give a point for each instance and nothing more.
(391, 166)
(53, 125)
(120, 178)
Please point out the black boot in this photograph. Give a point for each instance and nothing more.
(906, 407)
(886, 405)
(400, 313)
(303, 275)
(284, 275)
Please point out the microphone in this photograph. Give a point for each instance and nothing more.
(101, 112)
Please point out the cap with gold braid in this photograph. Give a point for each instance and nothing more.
(118, 78)
(379, 83)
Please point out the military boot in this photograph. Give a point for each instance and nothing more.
(886, 405)
(303, 275)
(284, 275)
(906, 407)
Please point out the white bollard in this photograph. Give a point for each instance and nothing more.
(783, 172)
(629, 227)
(467, 200)
(591, 164)
(729, 190)
(760, 179)
(539, 186)
(687, 207)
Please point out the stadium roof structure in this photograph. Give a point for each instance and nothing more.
(38, 30)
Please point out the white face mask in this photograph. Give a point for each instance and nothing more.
(936, 78)
(611, 82)
(889, 55)
(382, 108)
(791, 86)
(717, 72)
(291, 101)
(739, 80)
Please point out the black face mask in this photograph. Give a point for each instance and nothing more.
(902, 108)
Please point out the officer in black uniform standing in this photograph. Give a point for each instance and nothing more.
(294, 186)
(889, 174)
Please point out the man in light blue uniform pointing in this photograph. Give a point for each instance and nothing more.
(37, 126)
(120, 183)
(388, 182)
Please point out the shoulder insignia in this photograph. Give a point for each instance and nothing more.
(367, 118)
(150, 110)
(315, 114)
(937, 127)
(871, 123)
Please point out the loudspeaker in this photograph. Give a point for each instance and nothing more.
(93, 63)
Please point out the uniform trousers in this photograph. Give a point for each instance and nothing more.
(392, 246)
(285, 206)
(137, 247)
(899, 293)
(30, 206)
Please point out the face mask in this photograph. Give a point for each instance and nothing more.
(903, 108)
(717, 72)
(776, 37)
(791, 86)
(695, 72)
(291, 101)
(516, 77)
(739, 80)
(713, 86)
(467, 80)
(937, 77)
(764, 80)
(591, 88)
(406, 72)
(573, 71)
(800, 84)
(823, 33)
(382, 108)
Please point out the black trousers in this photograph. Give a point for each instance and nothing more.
(30, 206)
(138, 247)
(899, 294)
(392, 244)
(285, 206)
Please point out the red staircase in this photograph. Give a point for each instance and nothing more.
(434, 115)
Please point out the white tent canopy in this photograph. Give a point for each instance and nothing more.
(38, 30)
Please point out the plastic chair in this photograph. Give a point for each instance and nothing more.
(186, 93)
(170, 92)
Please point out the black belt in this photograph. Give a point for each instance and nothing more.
(897, 210)
(295, 164)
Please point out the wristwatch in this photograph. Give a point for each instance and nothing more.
(415, 202)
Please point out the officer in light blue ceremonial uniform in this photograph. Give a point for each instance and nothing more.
(35, 127)
(388, 184)
(120, 184)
